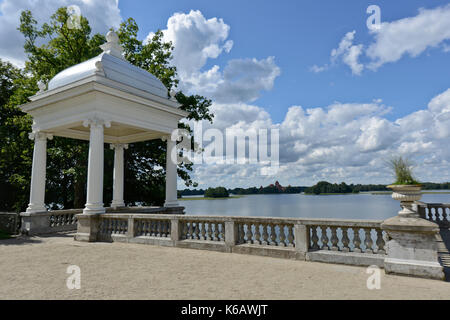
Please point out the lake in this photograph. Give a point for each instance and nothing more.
(348, 206)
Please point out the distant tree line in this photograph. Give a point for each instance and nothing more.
(320, 187)
(270, 189)
(327, 187)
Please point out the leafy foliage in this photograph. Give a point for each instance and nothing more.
(402, 169)
(219, 192)
(326, 187)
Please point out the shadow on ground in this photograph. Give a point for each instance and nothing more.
(23, 239)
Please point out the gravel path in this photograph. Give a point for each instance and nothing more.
(35, 268)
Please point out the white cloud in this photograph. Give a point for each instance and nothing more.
(430, 28)
(412, 36)
(349, 53)
(102, 15)
(196, 39)
(341, 142)
(241, 81)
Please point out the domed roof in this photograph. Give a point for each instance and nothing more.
(113, 66)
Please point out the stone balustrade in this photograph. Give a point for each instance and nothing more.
(356, 242)
(438, 213)
(35, 223)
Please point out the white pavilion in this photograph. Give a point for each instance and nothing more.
(103, 100)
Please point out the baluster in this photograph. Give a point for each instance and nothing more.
(290, 236)
(429, 213)
(196, 231)
(209, 232)
(221, 230)
(445, 216)
(139, 228)
(240, 233)
(273, 237)
(380, 242)
(356, 240)
(203, 231)
(368, 240)
(345, 240)
(144, 226)
(124, 226)
(166, 228)
(324, 238)
(334, 239)
(282, 237)
(216, 232)
(314, 238)
(265, 235)
(257, 234)
(191, 230)
(248, 233)
(184, 230)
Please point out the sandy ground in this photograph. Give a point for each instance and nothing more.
(35, 268)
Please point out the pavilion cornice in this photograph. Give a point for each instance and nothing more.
(107, 86)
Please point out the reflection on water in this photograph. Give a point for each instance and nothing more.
(351, 206)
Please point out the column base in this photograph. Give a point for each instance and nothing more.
(36, 208)
(88, 227)
(94, 209)
(171, 203)
(116, 205)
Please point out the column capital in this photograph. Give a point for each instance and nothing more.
(39, 135)
(96, 122)
(114, 146)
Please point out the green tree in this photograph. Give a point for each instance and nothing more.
(219, 192)
(50, 49)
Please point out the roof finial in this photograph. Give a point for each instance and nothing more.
(112, 46)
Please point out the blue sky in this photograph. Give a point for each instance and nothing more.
(302, 33)
(344, 98)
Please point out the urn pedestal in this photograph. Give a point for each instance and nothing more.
(411, 247)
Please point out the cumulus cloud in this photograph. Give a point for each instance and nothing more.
(241, 81)
(197, 39)
(340, 142)
(430, 28)
(102, 15)
(412, 36)
(349, 53)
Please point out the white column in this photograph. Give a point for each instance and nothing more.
(37, 189)
(171, 173)
(94, 201)
(118, 176)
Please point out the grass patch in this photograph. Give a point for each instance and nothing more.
(203, 198)
(4, 235)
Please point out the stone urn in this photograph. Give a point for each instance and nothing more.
(406, 194)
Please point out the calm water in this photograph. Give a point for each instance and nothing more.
(351, 206)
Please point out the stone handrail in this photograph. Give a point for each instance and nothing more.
(435, 212)
(358, 242)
